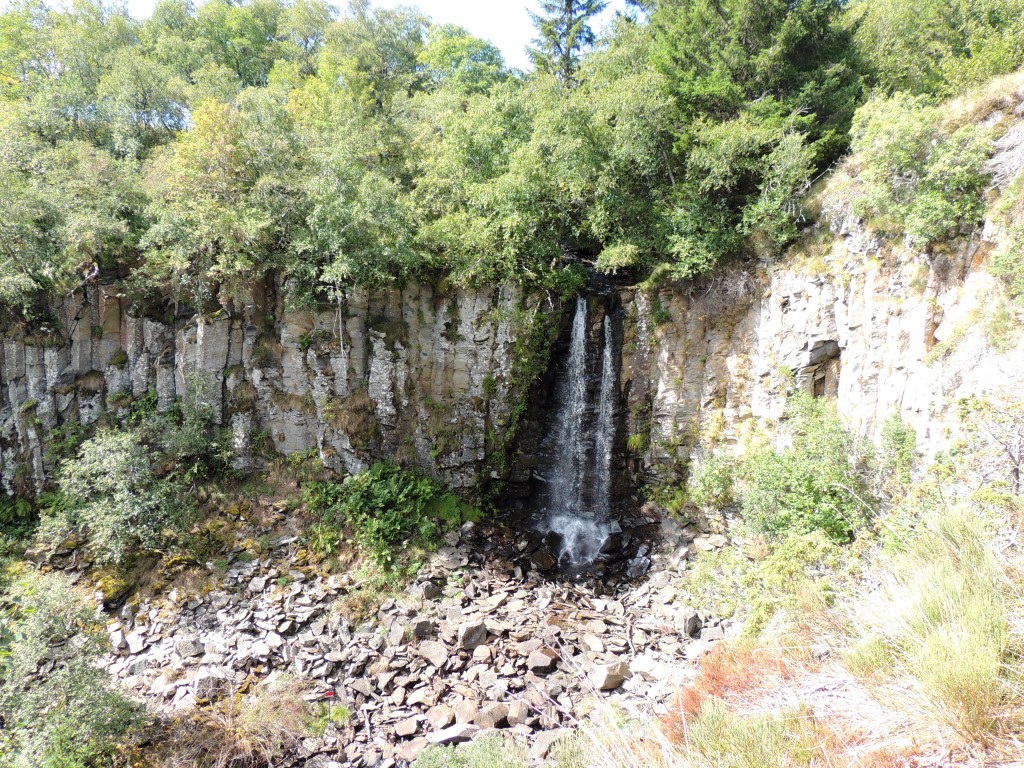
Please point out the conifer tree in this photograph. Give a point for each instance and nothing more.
(564, 34)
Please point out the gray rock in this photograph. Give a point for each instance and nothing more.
(453, 734)
(466, 711)
(434, 652)
(136, 642)
(542, 661)
(689, 623)
(472, 634)
(518, 712)
(492, 716)
(188, 646)
(440, 716)
(607, 677)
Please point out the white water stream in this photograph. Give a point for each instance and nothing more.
(579, 508)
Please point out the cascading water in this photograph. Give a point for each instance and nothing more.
(579, 508)
(604, 438)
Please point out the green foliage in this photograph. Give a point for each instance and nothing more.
(711, 486)
(455, 59)
(764, 93)
(938, 46)
(383, 508)
(563, 35)
(897, 454)
(110, 493)
(917, 177)
(219, 143)
(70, 716)
(493, 751)
(817, 484)
(187, 436)
(324, 714)
(788, 573)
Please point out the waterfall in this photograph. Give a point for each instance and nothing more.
(579, 498)
(604, 439)
(568, 477)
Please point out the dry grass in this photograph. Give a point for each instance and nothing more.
(1000, 93)
(242, 731)
(924, 671)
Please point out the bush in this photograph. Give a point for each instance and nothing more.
(818, 484)
(711, 486)
(187, 436)
(68, 716)
(382, 507)
(917, 178)
(484, 752)
(897, 455)
(787, 573)
(110, 493)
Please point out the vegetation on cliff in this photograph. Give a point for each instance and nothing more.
(213, 144)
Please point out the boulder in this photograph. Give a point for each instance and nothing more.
(493, 715)
(407, 727)
(543, 661)
(466, 711)
(472, 634)
(188, 646)
(608, 677)
(518, 712)
(453, 734)
(440, 716)
(689, 623)
(434, 652)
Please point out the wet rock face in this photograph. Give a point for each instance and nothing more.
(413, 374)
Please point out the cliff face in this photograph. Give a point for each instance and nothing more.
(438, 378)
(882, 328)
(416, 374)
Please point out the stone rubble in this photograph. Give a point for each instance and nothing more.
(480, 640)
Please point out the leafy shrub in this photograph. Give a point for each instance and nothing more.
(382, 507)
(817, 484)
(110, 493)
(917, 177)
(897, 455)
(711, 486)
(787, 573)
(187, 436)
(68, 716)
(936, 46)
(1008, 262)
(484, 752)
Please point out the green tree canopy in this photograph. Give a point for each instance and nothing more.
(564, 34)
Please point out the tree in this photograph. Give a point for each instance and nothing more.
(373, 54)
(938, 46)
(222, 198)
(564, 35)
(455, 59)
(764, 93)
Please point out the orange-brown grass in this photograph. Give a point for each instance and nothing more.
(731, 670)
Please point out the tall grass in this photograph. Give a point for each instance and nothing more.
(942, 623)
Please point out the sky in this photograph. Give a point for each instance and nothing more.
(504, 22)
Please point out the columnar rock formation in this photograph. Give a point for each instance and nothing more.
(411, 373)
(884, 329)
(433, 379)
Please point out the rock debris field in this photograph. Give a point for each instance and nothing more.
(480, 640)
